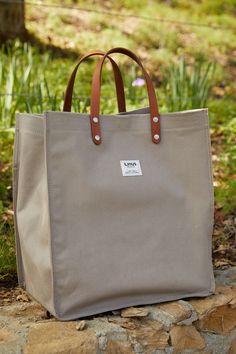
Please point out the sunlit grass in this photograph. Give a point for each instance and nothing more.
(189, 88)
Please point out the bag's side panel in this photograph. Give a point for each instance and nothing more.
(211, 195)
(20, 272)
(31, 210)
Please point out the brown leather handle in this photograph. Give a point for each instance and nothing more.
(95, 98)
(118, 81)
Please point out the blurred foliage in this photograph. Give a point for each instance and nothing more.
(7, 239)
(219, 7)
(216, 7)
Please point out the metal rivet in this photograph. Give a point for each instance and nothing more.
(155, 119)
(97, 137)
(156, 137)
(95, 119)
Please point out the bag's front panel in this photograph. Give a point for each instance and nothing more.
(124, 240)
(31, 208)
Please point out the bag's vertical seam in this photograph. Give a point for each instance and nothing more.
(19, 261)
(46, 135)
(211, 193)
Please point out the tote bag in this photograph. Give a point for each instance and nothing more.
(114, 210)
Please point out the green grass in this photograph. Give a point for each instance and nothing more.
(191, 67)
(7, 251)
(223, 126)
(32, 85)
(7, 240)
(187, 89)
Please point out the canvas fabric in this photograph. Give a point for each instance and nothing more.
(91, 240)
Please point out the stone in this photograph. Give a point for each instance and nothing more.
(102, 327)
(134, 312)
(25, 328)
(150, 335)
(123, 322)
(60, 338)
(232, 303)
(26, 310)
(232, 349)
(179, 311)
(81, 326)
(186, 337)
(155, 314)
(118, 347)
(128, 325)
(217, 343)
(222, 296)
(201, 352)
(226, 276)
(102, 342)
(147, 323)
(151, 340)
(6, 336)
(227, 291)
(194, 316)
(221, 320)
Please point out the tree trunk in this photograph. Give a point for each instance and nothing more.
(12, 20)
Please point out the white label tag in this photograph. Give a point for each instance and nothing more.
(131, 168)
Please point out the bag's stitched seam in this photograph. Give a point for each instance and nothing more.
(32, 132)
(211, 191)
(54, 302)
(186, 114)
(21, 277)
(194, 128)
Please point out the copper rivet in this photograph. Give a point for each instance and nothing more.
(156, 136)
(95, 119)
(97, 137)
(155, 119)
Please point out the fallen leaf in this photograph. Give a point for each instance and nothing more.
(23, 297)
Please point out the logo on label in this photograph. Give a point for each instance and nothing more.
(130, 164)
(131, 168)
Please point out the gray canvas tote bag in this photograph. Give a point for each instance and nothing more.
(113, 210)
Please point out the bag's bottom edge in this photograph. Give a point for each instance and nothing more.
(124, 304)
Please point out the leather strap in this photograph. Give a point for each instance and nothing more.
(96, 91)
(118, 81)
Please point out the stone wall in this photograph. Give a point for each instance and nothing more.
(186, 326)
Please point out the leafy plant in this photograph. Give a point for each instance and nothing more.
(7, 248)
(21, 74)
(7, 243)
(186, 87)
(29, 82)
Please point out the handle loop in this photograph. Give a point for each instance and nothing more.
(96, 91)
(118, 81)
